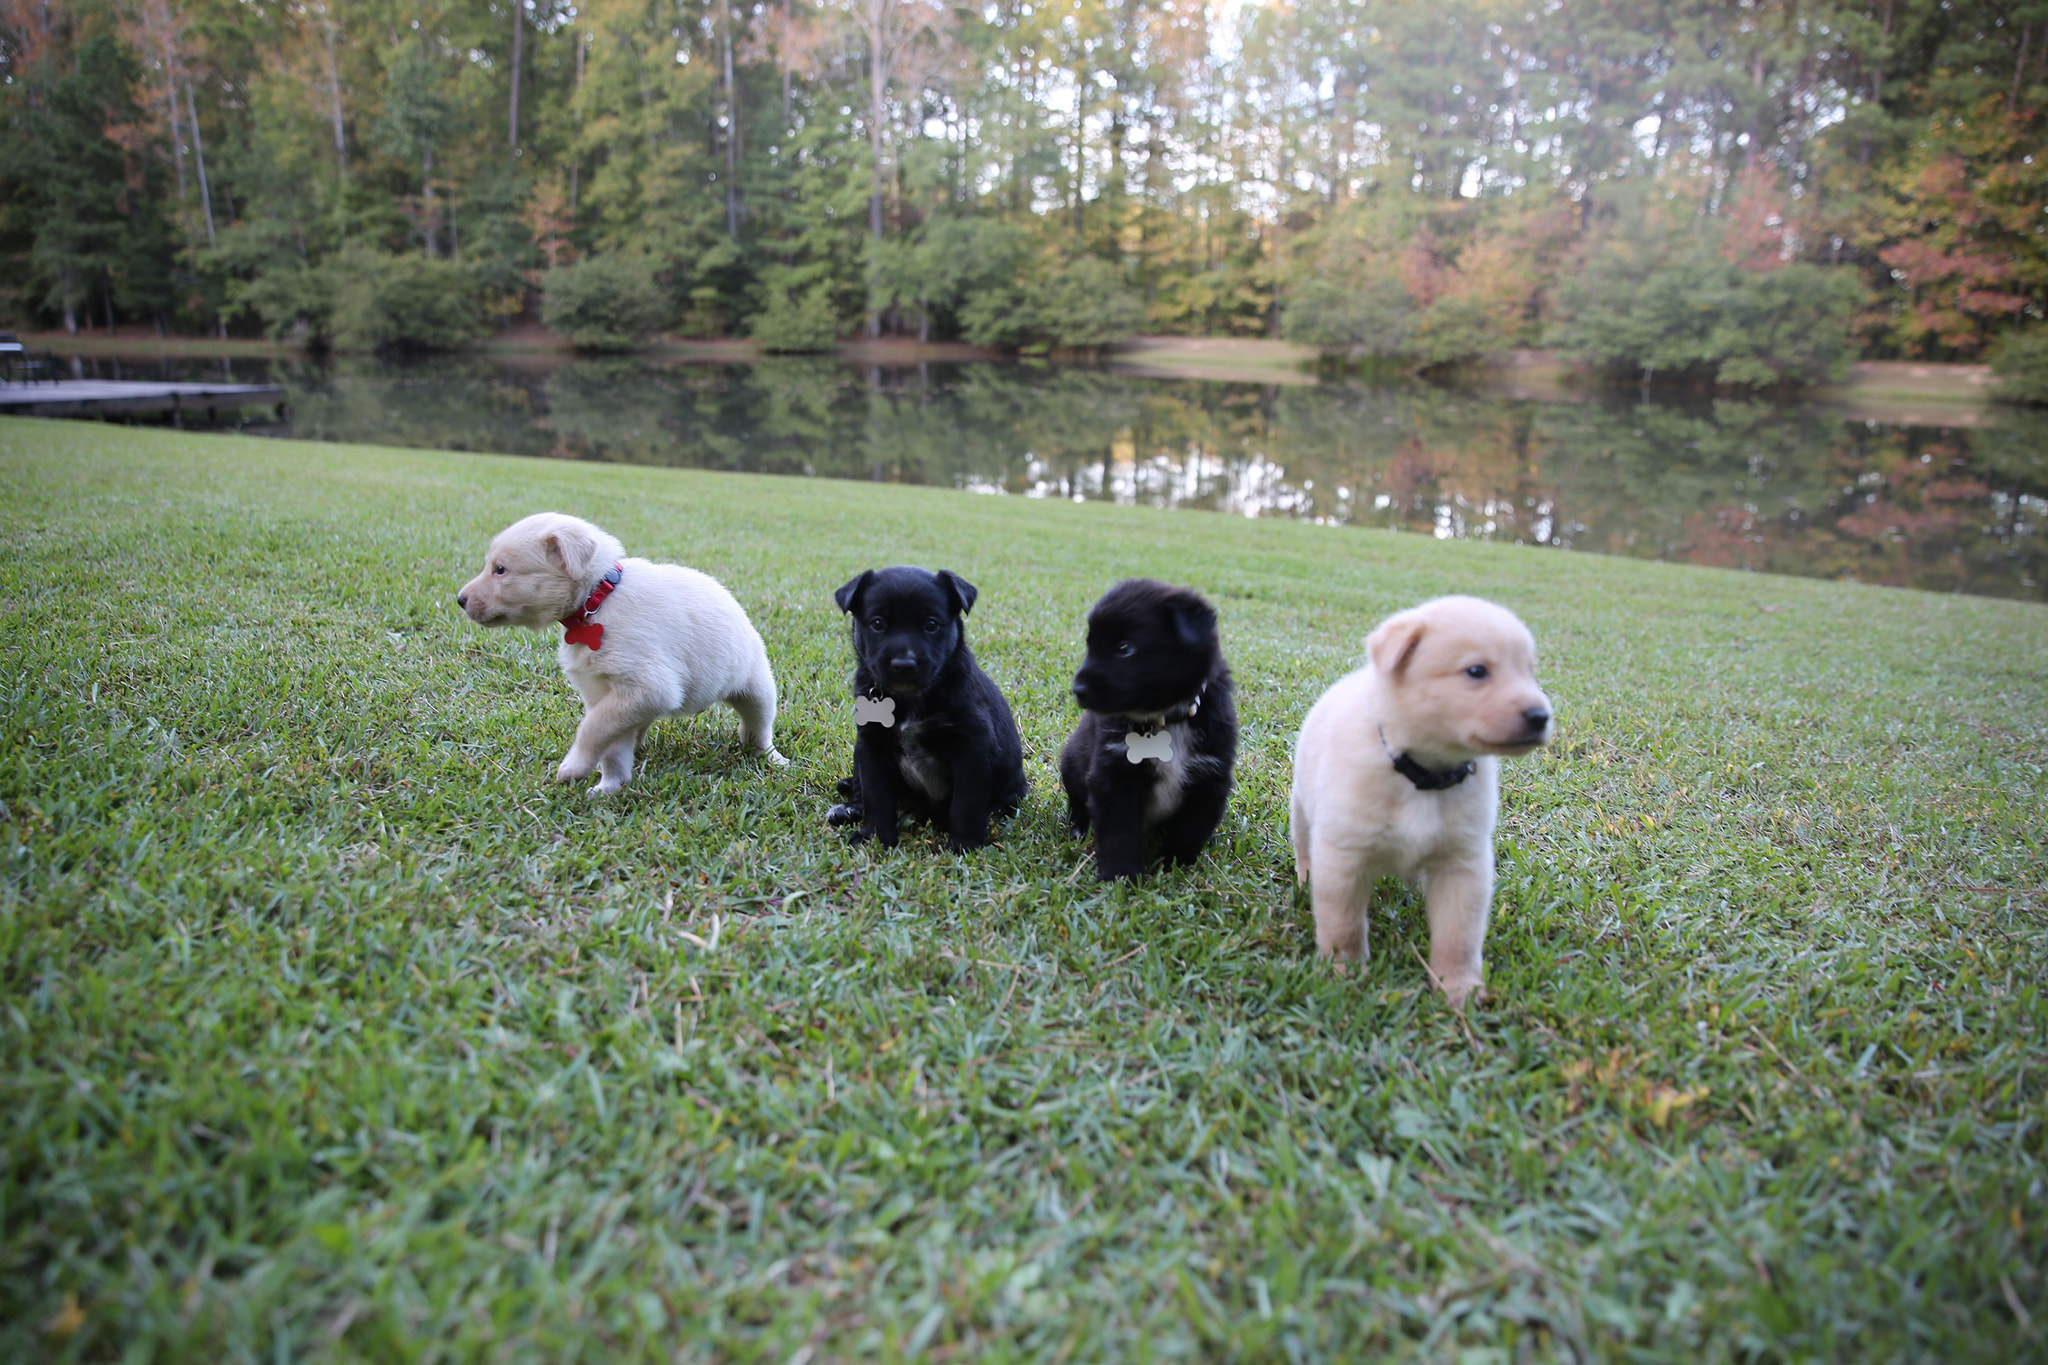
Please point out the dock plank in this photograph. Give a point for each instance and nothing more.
(117, 397)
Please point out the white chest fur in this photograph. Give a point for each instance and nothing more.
(1169, 774)
(1402, 831)
(920, 767)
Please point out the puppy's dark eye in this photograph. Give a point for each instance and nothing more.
(1477, 672)
(877, 624)
(931, 625)
(1125, 649)
(497, 568)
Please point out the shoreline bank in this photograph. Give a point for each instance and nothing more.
(1882, 390)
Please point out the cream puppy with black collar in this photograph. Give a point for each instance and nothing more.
(1396, 774)
(640, 640)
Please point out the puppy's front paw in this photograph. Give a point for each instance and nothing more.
(1458, 993)
(844, 814)
(1343, 961)
(775, 757)
(573, 769)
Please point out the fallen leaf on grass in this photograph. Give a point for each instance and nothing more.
(1663, 1099)
(65, 1322)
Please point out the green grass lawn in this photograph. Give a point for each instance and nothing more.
(330, 1028)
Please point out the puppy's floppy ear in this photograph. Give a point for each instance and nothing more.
(958, 590)
(848, 597)
(1194, 620)
(569, 548)
(1394, 643)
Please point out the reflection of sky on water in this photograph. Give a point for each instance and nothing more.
(1786, 488)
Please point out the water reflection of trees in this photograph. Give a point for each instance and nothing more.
(1788, 489)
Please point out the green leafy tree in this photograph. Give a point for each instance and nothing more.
(419, 116)
(83, 211)
(796, 322)
(1083, 304)
(1086, 305)
(1368, 317)
(403, 303)
(605, 303)
(1661, 290)
(292, 303)
(2021, 365)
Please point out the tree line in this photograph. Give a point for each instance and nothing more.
(1744, 192)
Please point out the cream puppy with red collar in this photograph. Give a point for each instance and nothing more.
(640, 640)
(1396, 774)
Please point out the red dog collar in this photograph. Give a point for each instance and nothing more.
(580, 629)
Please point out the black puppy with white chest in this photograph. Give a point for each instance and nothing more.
(1155, 747)
(933, 736)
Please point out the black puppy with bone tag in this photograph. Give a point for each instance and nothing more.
(933, 737)
(1158, 738)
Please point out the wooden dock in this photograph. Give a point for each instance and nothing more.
(127, 398)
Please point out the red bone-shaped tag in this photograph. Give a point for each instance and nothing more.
(580, 629)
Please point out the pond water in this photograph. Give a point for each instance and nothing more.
(1783, 488)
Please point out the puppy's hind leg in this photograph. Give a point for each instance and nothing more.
(755, 706)
(1201, 810)
(1074, 777)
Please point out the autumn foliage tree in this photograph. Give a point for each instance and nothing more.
(1419, 181)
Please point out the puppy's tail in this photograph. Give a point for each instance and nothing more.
(1297, 830)
(756, 710)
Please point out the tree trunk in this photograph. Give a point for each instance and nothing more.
(878, 78)
(334, 91)
(427, 211)
(1080, 147)
(2019, 69)
(171, 98)
(199, 156)
(576, 167)
(518, 52)
(732, 129)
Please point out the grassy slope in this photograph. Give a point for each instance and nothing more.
(328, 1026)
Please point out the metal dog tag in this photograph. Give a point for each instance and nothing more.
(1139, 746)
(874, 711)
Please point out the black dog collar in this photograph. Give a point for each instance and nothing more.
(1425, 779)
(1174, 715)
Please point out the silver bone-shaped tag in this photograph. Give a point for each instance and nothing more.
(1139, 746)
(875, 711)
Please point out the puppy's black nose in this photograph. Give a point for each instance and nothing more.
(1536, 718)
(462, 599)
(903, 664)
